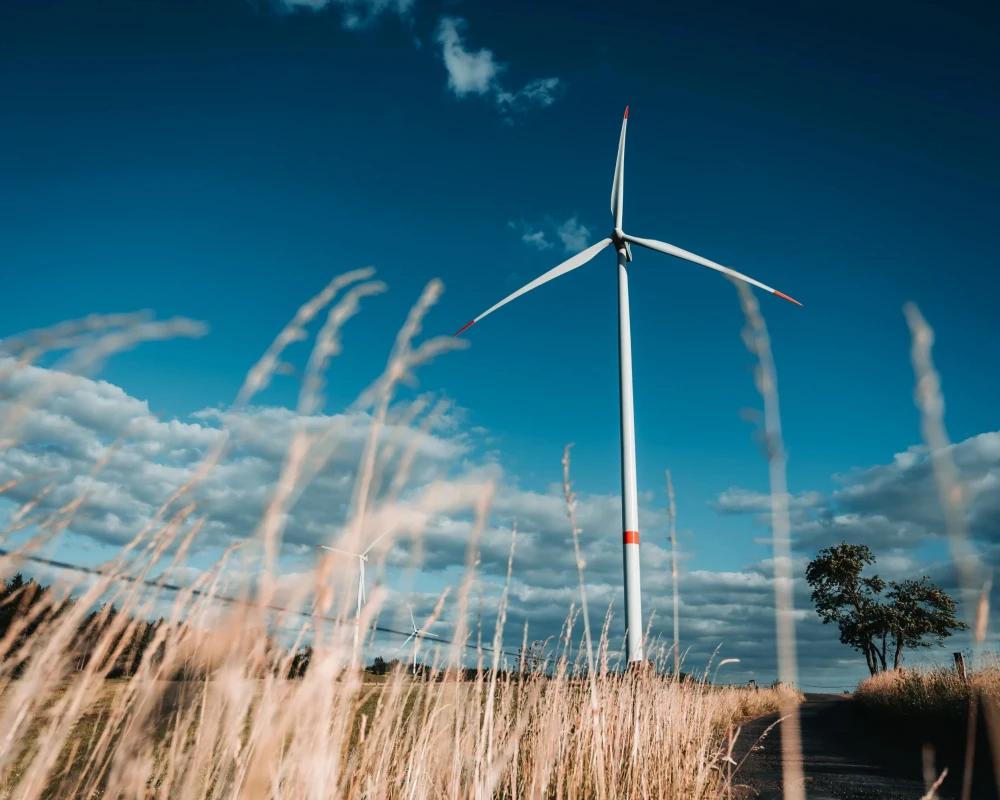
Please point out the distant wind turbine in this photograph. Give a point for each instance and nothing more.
(630, 502)
(418, 633)
(362, 558)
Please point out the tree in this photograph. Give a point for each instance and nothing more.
(912, 613)
(300, 662)
(24, 606)
(923, 615)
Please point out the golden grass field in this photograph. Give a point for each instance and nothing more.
(315, 737)
(935, 694)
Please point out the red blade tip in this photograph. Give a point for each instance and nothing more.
(626, 112)
(465, 327)
(784, 296)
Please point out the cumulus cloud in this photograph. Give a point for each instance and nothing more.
(894, 509)
(736, 500)
(92, 439)
(893, 505)
(143, 459)
(477, 72)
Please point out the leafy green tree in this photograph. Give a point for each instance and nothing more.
(874, 615)
(923, 615)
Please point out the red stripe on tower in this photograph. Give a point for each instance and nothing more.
(631, 537)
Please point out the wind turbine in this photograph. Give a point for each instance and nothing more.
(630, 503)
(418, 633)
(362, 558)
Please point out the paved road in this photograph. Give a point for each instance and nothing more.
(845, 759)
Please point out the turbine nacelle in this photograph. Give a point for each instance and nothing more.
(620, 241)
(623, 241)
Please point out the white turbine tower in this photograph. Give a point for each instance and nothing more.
(418, 633)
(630, 503)
(362, 558)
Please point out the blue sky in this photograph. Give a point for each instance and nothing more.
(222, 160)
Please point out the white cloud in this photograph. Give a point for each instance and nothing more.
(87, 422)
(536, 239)
(468, 72)
(356, 13)
(477, 72)
(573, 235)
(736, 500)
(541, 92)
(531, 235)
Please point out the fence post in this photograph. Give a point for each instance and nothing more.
(960, 667)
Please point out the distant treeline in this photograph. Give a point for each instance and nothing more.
(27, 609)
(102, 639)
(116, 646)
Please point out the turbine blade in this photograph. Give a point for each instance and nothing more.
(375, 541)
(671, 250)
(413, 622)
(568, 265)
(406, 641)
(339, 550)
(618, 182)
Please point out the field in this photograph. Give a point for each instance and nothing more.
(937, 696)
(253, 686)
(251, 682)
(953, 721)
(311, 737)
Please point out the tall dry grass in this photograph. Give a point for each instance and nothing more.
(210, 711)
(934, 695)
(758, 342)
(335, 736)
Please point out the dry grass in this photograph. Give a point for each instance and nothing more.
(316, 737)
(932, 694)
(573, 727)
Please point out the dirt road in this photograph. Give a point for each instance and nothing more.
(845, 759)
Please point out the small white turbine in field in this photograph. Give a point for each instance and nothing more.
(418, 633)
(362, 558)
(630, 502)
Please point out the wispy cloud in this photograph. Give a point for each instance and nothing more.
(532, 235)
(469, 72)
(540, 92)
(357, 13)
(477, 72)
(573, 234)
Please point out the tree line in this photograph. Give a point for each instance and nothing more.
(104, 639)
